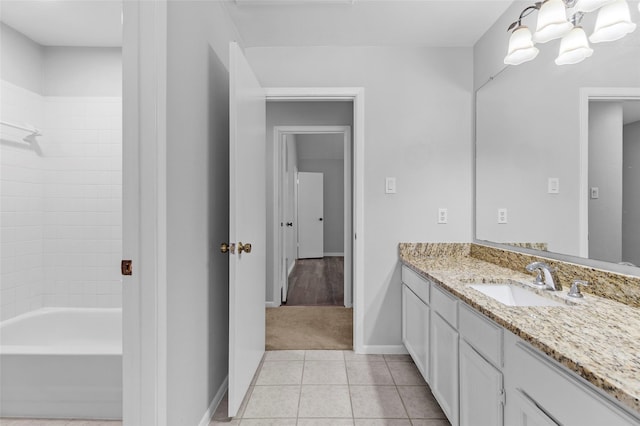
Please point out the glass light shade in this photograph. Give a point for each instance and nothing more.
(574, 47)
(521, 48)
(590, 5)
(613, 22)
(552, 21)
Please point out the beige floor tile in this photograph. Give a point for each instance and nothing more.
(273, 402)
(420, 403)
(325, 401)
(322, 355)
(382, 422)
(325, 422)
(397, 358)
(268, 422)
(289, 355)
(368, 373)
(430, 422)
(377, 402)
(405, 373)
(324, 373)
(280, 373)
(352, 356)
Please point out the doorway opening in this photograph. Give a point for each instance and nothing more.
(312, 225)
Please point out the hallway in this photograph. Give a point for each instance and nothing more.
(317, 282)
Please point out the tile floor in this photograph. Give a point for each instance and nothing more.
(314, 388)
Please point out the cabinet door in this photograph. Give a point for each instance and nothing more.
(415, 329)
(444, 366)
(481, 390)
(528, 413)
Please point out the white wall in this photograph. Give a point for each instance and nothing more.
(631, 195)
(22, 60)
(291, 243)
(418, 129)
(605, 172)
(197, 206)
(294, 114)
(528, 130)
(333, 192)
(22, 205)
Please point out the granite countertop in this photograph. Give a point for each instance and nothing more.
(597, 338)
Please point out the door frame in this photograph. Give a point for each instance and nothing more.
(592, 94)
(357, 236)
(144, 310)
(279, 141)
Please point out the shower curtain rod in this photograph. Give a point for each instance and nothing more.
(33, 131)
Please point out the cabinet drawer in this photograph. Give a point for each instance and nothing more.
(481, 333)
(416, 283)
(445, 304)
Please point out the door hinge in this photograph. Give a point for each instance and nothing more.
(502, 396)
(126, 267)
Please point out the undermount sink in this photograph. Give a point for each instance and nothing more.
(514, 295)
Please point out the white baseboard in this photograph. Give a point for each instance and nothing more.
(331, 254)
(383, 349)
(271, 304)
(206, 419)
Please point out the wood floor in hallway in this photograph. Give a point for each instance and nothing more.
(315, 282)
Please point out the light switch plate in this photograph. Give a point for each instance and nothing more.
(502, 215)
(553, 186)
(442, 215)
(390, 185)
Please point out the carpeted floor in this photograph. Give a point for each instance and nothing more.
(309, 327)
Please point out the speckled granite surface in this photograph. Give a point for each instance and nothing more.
(605, 351)
(619, 287)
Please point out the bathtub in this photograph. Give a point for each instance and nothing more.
(62, 363)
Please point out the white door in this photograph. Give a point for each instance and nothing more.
(247, 224)
(310, 215)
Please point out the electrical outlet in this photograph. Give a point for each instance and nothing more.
(502, 215)
(553, 186)
(595, 192)
(442, 215)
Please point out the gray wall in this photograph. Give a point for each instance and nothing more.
(418, 116)
(333, 171)
(83, 71)
(631, 194)
(605, 172)
(60, 71)
(293, 114)
(22, 60)
(197, 206)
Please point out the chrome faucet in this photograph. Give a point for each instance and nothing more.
(543, 270)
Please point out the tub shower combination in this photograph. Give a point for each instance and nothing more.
(62, 363)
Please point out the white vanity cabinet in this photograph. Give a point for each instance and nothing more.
(415, 319)
(549, 392)
(444, 352)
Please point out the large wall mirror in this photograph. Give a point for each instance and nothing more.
(558, 154)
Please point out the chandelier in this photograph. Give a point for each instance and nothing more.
(562, 19)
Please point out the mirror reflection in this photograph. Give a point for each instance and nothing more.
(558, 153)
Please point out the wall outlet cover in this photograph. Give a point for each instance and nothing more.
(442, 215)
(502, 215)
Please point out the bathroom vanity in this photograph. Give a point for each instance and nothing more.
(569, 361)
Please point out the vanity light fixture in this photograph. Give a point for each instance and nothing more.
(561, 19)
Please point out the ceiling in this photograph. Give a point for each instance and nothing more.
(96, 23)
(630, 111)
(275, 22)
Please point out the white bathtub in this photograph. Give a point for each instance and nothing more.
(62, 363)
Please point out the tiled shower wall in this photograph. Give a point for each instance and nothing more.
(21, 204)
(61, 210)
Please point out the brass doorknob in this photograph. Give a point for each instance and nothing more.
(224, 248)
(244, 247)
